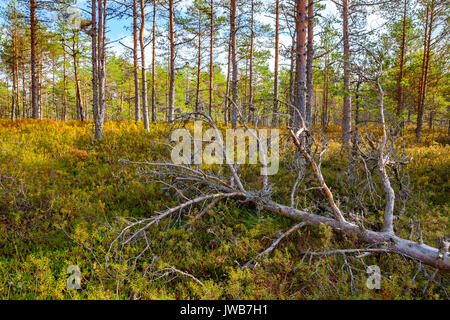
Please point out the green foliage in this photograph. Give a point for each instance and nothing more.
(63, 200)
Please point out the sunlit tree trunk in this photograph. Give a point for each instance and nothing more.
(94, 60)
(277, 51)
(143, 68)
(199, 61)
(34, 72)
(170, 114)
(64, 110)
(402, 63)
(211, 57)
(234, 77)
(309, 64)
(252, 39)
(425, 68)
(137, 112)
(75, 53)
(347, 110)
(300, 69)
(324, 115)
(227, 89)
(153, 64)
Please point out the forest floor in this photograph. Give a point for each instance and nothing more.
(64, 198)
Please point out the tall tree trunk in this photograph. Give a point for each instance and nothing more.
(402, 63)
(199, 61)
(137, 111)
(94, 61)
(144, 71)
(309, 64)
(98, 59)
(64, 113)
(423, 87)
(355, 131)
(291, 92)
(24, 94)
(252, 39)
(39, 77)
(277, 53)
(227, 89)
(170, 115)
(153, 64)
(234, 77)
(14, 92)
(34, 74)
(347, 111)
(55, 105)
(211, 60)
(422, 70)
(75, 51)
(324, 115)
(8, 97)
(300, 68)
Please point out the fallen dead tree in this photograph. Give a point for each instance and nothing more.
(196, 186)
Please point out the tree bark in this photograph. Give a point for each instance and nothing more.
(75, 52)
(143, 68)
(34, 75)
(199, 61)
(347, 110)
(309, 64)
(137, 111)
(402, 63)
(234, 77)
(94, 61)
(170, 115)
(277, 53)
(425, 65)
(227, 89)
(64, 113)
(300, 69)
(252, 40)
(153, 64)
(99, 111)
(211, 59)
(324, 115)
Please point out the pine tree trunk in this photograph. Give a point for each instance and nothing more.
(324, 116)
(252, 39)
(34, 74)
(347, 111)
(309, 64)
(64, 113)
(402, 63)
(234, 77)
(94, 61)
(277, 53)
(143, 69)
(75, 51)
(426, 62)
(199, 62)
(227, 89)
(137, 111)
(153, 64)
(170, 115)
(300, 68)
(211, 59)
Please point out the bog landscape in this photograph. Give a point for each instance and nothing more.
(224, 150)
